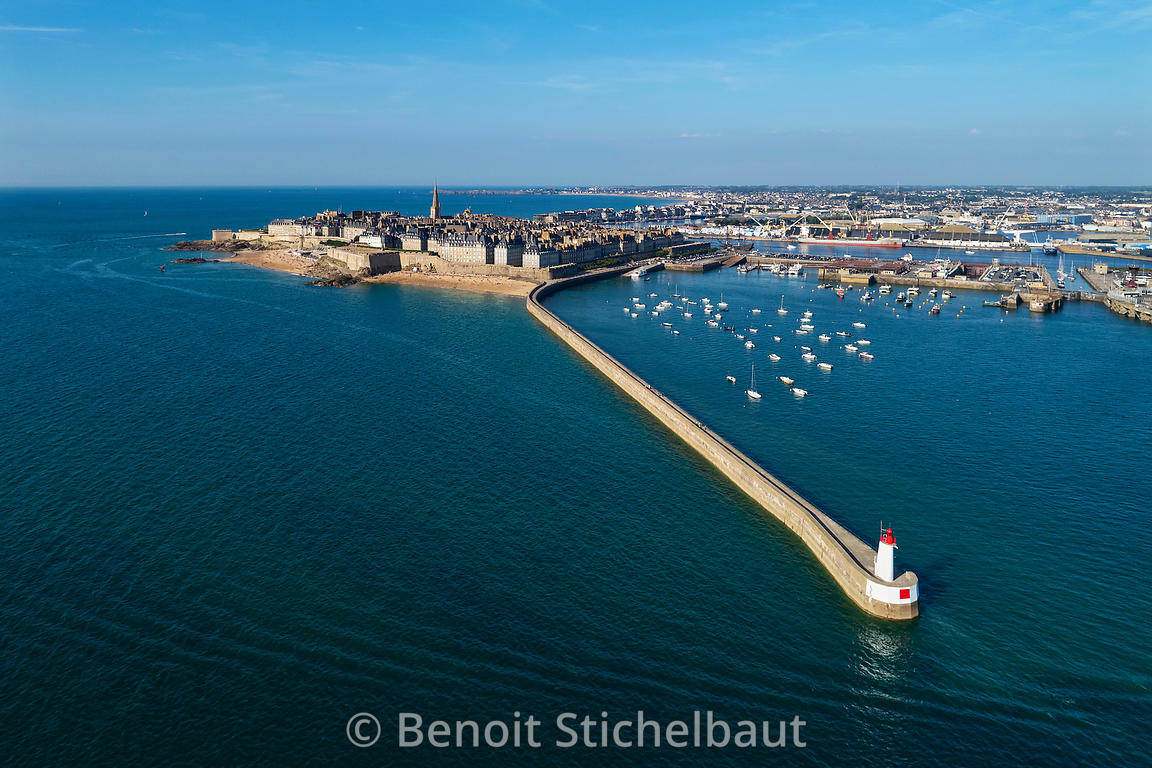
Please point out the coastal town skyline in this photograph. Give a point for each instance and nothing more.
(529, 94)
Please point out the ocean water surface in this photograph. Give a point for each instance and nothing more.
(238, 510)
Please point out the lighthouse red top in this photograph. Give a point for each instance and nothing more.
(887, 538)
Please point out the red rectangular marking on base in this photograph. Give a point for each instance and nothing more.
(905, 594)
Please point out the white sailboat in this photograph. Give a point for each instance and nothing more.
(751, 391)
(781, 311)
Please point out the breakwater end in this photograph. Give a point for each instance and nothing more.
(849, 561)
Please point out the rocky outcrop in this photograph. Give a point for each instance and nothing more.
(337, 281)
(227, 246)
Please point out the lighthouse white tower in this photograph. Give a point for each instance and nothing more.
(885, 557)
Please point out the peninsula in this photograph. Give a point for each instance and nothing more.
(469, 251)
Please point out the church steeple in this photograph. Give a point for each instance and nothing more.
(435, 201)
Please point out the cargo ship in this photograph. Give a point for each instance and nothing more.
(886, 242)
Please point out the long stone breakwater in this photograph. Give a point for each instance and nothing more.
(847, 559)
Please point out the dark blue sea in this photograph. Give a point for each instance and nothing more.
(236, 510)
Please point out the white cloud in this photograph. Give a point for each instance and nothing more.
(18, 28)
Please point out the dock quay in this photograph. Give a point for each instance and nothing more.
(850, 562)
(695, 265)
(1099, 282)
(734, 260)
(646, 269)
(1141, 312)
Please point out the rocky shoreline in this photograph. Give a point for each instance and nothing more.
(326, 272)
(227, 246)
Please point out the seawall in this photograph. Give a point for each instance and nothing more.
(846, 558)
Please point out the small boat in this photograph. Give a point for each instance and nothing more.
(753, 330)
(993, 304)
(970, 253)
(722, 304)
(731, 379)
(775, 338)
(687, 314)
(781, 311)
(667, 325)
(718, 317)
(885, 289)
(859, 325)
(909, 303)
(634, 314)
(675, 333)
(863, 341)
(641, 306)
(755, 311)
(749, 345)
(799, 392)
(795, 270)
(913, 291)
(825, 366)
(786, 380)
(655, 314)
(824, 337)
(707, 310)
(932, 293)
(935, 310)
(900, 296)
(800, 332)
(865, 356)
(713, 324)
(774, 357)
(627, 309)
(946, 295)
(807, 327)
(843, 333)
(808, 356)
(635, 298)
(807, 313)
(851, 348)
(806, 349)
(653, 295)
(740, 336)
(840, 292)
(751, 391)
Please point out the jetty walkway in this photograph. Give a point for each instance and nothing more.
(847, 559)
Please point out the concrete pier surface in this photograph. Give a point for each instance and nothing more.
(847, 559)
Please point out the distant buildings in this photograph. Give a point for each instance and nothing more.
(480, 239)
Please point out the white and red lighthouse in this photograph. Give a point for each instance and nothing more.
(902, 595)
(886, 557)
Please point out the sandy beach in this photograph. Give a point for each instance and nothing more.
(479, 283)
(282, 260)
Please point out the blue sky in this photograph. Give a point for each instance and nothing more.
(541, 92)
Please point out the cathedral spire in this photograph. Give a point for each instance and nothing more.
(435, 201)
